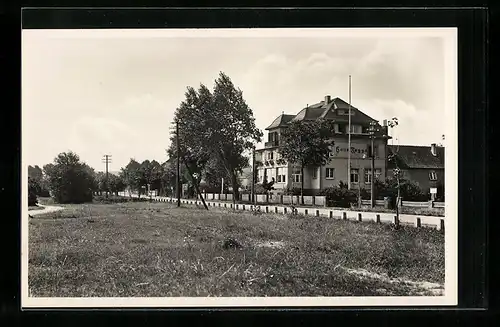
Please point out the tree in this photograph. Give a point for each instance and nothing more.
(307, 143)
(169, 177)
(100, 180)
(218, 125)
(234, 130)
(70, 180)
(33, 189)
(189, 118)
(36, 174)
(156, 176)
(131, 176)
(116, 184)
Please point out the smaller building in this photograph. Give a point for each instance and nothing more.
(423, 165)
(245, 178)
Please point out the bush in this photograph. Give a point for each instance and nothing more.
(291, 191)
(409, 190)
(116, 199)
(70, 180)
(33, 188)
(340, 197)
(259, 189)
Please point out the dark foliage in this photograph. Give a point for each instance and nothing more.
(340, 197)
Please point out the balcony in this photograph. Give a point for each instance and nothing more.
(271, 144)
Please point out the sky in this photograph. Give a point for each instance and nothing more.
(115, 92)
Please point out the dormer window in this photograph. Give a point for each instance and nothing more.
(356, 129)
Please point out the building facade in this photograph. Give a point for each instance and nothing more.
(288, 175)
(423, 165)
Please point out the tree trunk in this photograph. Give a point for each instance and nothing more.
(302, 185)
(234, 183)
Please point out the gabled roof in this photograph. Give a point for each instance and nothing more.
(309, 113)
(281, 120)
(411, 156)
(326, 111)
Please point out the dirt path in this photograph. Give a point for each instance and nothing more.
(46, 209)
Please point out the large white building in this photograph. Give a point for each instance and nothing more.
(288, 175)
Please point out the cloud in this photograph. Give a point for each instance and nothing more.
(416, 127)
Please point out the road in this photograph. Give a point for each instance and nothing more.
(46, 209)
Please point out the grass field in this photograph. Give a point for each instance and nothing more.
(157, 249)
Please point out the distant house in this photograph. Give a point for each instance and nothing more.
(421, 164)
(245, 178)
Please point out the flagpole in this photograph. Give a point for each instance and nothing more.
(349, 142)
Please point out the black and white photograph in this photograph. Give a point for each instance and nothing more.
(239, 167)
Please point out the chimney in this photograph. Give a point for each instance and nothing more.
(385, 122)
(433, 149)
(327, 99)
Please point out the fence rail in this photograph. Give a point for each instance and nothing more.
(360, 216)
(312, 200)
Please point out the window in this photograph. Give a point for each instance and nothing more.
(354, 175)
(356, 129)
(281, 175)
(315, 173)
(433, 176)
(330, 173)
(270, 174)
(342, 128)
(297, 175)
(270, 155)
(368, 175)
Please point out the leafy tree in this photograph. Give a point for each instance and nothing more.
(70, 180)
(36, 174)
(307, 143)
(193, 150)
(131, 176)
(169, 177)
(116, 184)
(100, 180)
(33, 189)
(220, 126)
(233, 131)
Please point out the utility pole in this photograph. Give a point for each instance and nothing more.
(178, 165)
(107, 159)
(252, 198)
(372, 131)
(349, 142)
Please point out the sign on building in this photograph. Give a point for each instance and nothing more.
(341, 150)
